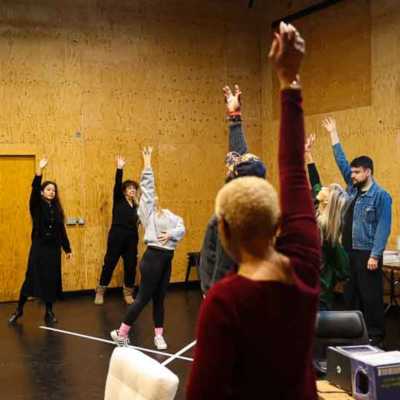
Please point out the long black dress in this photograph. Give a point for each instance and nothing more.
(43, 275)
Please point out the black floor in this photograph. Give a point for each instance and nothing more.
(36, 364)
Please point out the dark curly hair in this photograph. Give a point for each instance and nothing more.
(128, 183)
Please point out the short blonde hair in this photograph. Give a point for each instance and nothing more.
(250, 207)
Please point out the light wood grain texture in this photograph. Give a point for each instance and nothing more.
(84, 80)
(368, 127)
(335, 77)
(16, 174)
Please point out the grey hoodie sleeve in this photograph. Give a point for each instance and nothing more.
(178, 232)
(146, 203)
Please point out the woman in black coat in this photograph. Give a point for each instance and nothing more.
(43, 275)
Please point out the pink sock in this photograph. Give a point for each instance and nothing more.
(158, 331)
(124, 330)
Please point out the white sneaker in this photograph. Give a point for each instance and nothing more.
(160, 343)
(118, 339)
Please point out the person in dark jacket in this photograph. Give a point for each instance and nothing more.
(43, 275)
(123, 236)
(214, 262)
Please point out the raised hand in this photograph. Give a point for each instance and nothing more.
(232, 100)
(309, 143)
(43, 163)
(307, 148)
(287, 51)
(147, 151)
(120, 162)
(329, 124)
(41, 166)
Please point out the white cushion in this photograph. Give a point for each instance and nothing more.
(132, 375)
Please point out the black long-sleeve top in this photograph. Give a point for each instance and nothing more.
(47, 221)
(315, 181)
(237, 139)
(123, 214)
(313, 174)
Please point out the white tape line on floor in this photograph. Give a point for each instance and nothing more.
(171, 356)
(178, 354)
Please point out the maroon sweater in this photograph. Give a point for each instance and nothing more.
(255, 338)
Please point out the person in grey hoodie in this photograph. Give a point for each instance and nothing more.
(163, 231)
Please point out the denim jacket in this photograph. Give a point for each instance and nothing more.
(372, 211)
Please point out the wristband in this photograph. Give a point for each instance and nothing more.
(234, 118)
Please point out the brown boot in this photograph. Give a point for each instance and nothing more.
(100, 290)
(128, 295)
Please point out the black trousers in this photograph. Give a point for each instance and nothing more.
(155, 270)
(364, 291)
(123, 243)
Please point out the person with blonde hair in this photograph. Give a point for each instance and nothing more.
(256, 327)
(331, 201)
(163, 231)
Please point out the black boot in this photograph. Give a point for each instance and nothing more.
(14, 317)
(49, 317)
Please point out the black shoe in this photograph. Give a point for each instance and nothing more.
(14, 317)
(50, 318)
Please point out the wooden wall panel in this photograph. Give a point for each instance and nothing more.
(16, 174)
(188, 179)
(371, 128)
(334, 77)
(84, 80)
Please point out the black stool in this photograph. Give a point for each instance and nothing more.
(193, 261)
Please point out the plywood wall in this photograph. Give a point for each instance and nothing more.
(370, 126)
(334, 77)
(84, 80)
(15, 174)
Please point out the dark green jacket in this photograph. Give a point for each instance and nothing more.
(335, 261)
